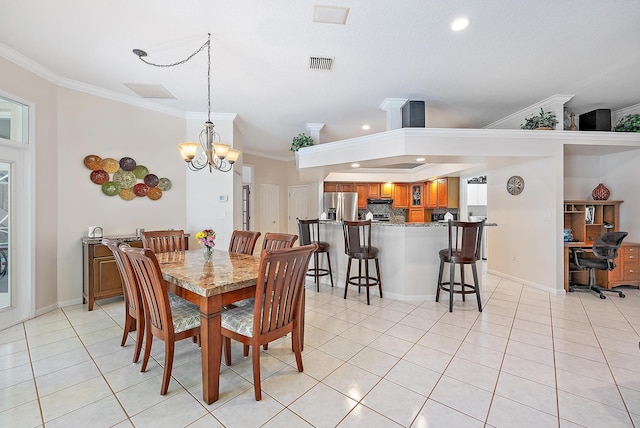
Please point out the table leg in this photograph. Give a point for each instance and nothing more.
(211, 340)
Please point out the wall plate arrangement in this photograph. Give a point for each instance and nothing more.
(515, 185)
(125, 178)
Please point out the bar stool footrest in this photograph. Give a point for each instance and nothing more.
(370, 281)
(468, 288)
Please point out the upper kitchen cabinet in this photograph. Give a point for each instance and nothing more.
(386, 190)
(443, 193)
(333, 186)
(417, 195)
(363, 194)
(374, 191)
(400, 195)
(476, 194)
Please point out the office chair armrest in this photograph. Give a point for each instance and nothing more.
(574, 254)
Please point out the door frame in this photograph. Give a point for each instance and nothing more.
(22, 248)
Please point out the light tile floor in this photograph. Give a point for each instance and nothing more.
(530, 359)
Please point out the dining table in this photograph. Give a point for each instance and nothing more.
(227, 278)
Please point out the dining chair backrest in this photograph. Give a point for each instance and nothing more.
(465, 241)
(281, 278)
(357, 237)
(134, 318)
(149, 276)
(309, 231)
(163, 241)
(243, 241)
(278, 241)
(132, 296)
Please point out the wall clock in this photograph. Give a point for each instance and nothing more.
(515, 185)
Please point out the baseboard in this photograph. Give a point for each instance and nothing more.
(46, 309)
(527, 283)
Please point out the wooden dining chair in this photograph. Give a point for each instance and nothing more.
(278, 241)
(134, 318)
(277, 308)
(163, 241)
(168, 322)
(243, 241)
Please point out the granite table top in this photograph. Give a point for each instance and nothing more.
(226, 272)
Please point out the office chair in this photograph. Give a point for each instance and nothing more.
(605, 252)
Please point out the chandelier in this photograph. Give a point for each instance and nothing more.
(217, 156)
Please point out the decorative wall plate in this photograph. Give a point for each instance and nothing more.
(127, 194)
(110, 188)
(125, 179)
(93, 162)
(141, 189)
(164, 184)
(99, 176)
(110, 165)
(151, 180)
(140, 171)
(127, 163)
(154, 194)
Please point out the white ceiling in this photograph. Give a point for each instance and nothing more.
(514, 54)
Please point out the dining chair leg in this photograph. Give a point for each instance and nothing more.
(226, 350)
(346, 282)
(477, 284)
(330, 272)
(128, 321)
(366, 272)
(255, 355)
(315, 270)
(462, 280)
(147, 348)
(379, 277)
(245, 350)
(452, 273)
(295, 336)
(139, 337)
(440, 272)
(169, 346)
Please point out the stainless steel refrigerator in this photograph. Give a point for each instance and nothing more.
(340, 205)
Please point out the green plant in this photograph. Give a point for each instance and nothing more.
(301, 140)
(544, 119)
(628, 123)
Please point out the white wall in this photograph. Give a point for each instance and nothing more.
(92, 125)
(527, 245)
(621, 174)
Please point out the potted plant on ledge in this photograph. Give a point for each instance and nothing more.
(301, 140)
(629, 123)
(543, 120)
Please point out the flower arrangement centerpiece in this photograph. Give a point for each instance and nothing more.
(207, 238)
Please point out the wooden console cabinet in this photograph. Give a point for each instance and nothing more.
(101, 278)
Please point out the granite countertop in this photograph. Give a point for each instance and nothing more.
(390, 224)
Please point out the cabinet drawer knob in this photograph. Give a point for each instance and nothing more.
(631, 271)
(632, 257)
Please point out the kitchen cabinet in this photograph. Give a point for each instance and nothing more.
(417, 195)
(334, 186)
(363, 194)
(416, 215)
(476, 194)
(400, 195)
(374, 191)
(101, 278)
(443, 193)
(386, 190)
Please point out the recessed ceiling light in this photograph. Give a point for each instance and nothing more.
(355, 165)
(419, 159)
(460, 24)
(366, 127)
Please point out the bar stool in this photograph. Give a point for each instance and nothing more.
(357, 245)
(465, 241)
(309, 231)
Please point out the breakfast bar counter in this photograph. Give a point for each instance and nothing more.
(409, 260)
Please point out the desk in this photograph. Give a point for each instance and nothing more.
(229, 278)
(627, 271)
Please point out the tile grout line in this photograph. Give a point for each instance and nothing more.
(33, 374)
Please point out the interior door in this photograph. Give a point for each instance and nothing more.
(298, 206)
(268, 208)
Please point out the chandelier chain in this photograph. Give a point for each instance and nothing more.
(206, 44)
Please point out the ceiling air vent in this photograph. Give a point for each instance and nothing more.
(320, 63)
